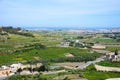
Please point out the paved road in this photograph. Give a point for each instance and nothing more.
(81, 66)
(90, 62)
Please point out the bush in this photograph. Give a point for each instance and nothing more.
(66, 78)
(44, 67)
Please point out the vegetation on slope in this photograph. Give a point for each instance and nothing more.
(108, 40)
(11, 30)
(53, 54)
(92, 74)
(109, 63)
(113, 48)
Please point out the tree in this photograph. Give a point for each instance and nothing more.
(118, 40)
(38, 46)
(30, 69)
(116, 52)
(71, 43)
(19, 70)
(44, 67)
(80, 37)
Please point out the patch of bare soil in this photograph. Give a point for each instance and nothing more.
(101, 51)
(69, 55)
(70, 64)
(37, 58)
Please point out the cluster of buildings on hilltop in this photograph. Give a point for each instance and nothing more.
(9, 70)
(113, 56)
(12, 69)
(64, 44)
(79, 31)
(76, 43)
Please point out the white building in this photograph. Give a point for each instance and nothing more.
(112, 56)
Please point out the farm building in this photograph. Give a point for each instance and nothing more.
(113, 56)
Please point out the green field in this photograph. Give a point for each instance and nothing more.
(19, 48)
(50, 39)
(48, 53)
(92, 74)
(110, 64)
(113, 48)
(16, 41)
(106, 40)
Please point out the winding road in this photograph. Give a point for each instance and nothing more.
(90, 62)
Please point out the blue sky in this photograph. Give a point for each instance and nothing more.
(60, 13)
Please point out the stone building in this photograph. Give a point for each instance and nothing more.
(113, 56)
(5, 72)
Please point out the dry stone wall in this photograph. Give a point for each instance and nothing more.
(104, 68)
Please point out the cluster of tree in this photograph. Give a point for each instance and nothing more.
(25, 34)
(44, 67)
(116, 52)
(31, 47)
(70, 59)
(113, 35)
(118, 40)
(3, 33)
(10, 29)
(38, 46)
(80, 37)
(80, 44)
(74, 59)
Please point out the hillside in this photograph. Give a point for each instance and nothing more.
(5, 30)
